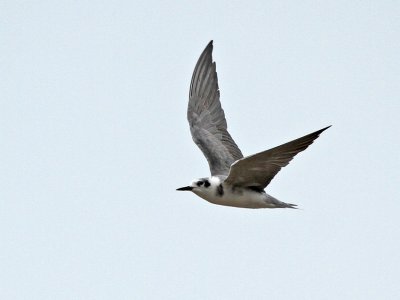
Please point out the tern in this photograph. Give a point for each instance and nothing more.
(235, 180)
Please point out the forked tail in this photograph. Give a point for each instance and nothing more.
(280, 204)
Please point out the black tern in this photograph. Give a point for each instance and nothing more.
(235, 180)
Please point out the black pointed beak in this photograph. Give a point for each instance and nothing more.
(185, 188)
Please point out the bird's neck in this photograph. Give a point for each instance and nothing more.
(214, 181)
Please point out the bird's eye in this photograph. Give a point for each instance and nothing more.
(200, 183)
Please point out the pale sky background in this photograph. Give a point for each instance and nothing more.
(95, 141)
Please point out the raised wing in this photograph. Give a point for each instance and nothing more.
(207, 119)
(259, 169)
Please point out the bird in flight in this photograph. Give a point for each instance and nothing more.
(235, 180)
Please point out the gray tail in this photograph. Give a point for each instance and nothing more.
(286, 205)
(280, 204)
(290, 205)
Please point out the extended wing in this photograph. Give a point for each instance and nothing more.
(207, 119)
(259, 169)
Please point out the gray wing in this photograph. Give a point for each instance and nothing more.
(207, 119)
(259, 169)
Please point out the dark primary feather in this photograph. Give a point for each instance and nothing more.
(259, 169)
(207, 119)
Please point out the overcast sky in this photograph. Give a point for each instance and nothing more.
(94, 142)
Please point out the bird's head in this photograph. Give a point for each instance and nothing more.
(197, 186)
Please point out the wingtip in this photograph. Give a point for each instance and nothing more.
(207, 49)
(323, 129)
(210, 45)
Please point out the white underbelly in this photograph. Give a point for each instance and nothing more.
(248, 199)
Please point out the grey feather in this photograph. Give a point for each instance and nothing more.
(259, 169)
(207, 119)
